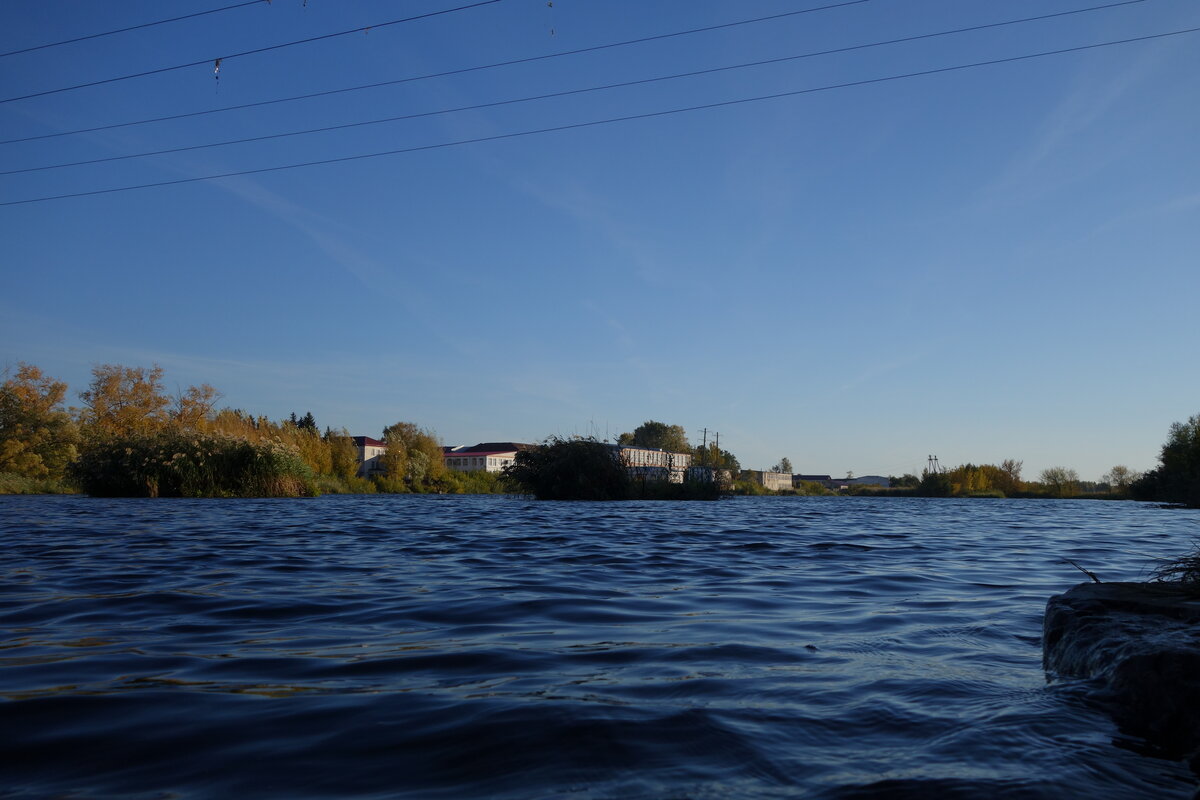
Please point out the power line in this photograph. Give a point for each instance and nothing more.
(608, 121)
(220, 59)
(565, 93)
(134, 27)
(448, 73)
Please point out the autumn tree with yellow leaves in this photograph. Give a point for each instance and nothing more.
(38, 438)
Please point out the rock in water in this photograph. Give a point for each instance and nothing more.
(1142, 640)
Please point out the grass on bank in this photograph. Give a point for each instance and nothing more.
(1183, 571)
(13, 483)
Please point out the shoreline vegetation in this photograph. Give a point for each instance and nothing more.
(588, 469)
(129, 437)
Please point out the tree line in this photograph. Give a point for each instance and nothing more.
(1005, 480)
(130, 436)
(1177, 477)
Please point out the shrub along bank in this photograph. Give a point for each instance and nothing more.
(191, 464)
(586, 469)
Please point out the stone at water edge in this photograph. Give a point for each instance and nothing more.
(1142, 640)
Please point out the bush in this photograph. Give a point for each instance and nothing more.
(570, 469)
(332, 484)
(935, 484)
(477, 482)
(586, 469)
(177, 464)
(750, 488)
(13, 483)
(389, 485)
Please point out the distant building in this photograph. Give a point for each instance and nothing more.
(769, 480)
(369, 452)
(642, 462)
(485, 456)
(870, 480)
(652, 463)
(838, 484)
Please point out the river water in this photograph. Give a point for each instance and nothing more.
(465, 647)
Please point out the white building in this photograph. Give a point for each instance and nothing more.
(653, 463)
(485, 456)
(369, 452)
(774, 481)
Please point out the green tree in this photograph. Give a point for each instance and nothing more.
(37, 436)
(658, 435)
(784, 466)
(570, 469)
(413, 456)
(306, 423)
(1177, 478)
(1060, 481)
(935, 483)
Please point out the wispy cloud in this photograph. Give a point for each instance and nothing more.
(1055, 144)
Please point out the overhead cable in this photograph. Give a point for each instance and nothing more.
(565, 93)
(607, 121)
(445, 74)
(135, 27)
(221, 59)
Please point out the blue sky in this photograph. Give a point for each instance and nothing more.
(987, 263)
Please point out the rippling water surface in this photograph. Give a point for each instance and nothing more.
(431, 647)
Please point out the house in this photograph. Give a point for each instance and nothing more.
(369, 452)
(485, 456)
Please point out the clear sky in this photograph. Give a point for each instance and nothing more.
(987, 263)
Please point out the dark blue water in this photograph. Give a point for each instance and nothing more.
(431, 647)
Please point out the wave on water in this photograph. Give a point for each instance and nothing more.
(426, 647)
